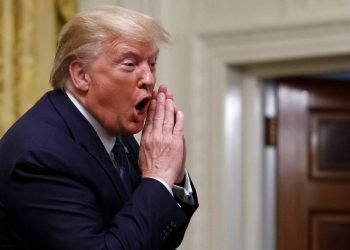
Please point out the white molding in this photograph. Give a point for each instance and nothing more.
(203, 157)
(221, 154)
(149, 7)
(281, 43)
(308, 6)
(228, 166)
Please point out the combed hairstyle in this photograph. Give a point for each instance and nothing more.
(86, 34)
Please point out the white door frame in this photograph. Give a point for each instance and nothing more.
(226, 148)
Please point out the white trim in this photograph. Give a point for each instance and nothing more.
(227, 203)
(280, 43)
(229, 165)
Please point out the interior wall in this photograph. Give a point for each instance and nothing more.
(237, 15)
(221, 49)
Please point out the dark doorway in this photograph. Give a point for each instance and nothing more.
(313, 163)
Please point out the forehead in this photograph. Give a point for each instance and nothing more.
(125, 47)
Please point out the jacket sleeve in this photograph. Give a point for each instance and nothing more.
(54, 209)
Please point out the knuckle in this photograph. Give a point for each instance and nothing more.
(158, 117)
(158, 138)
(167, 123)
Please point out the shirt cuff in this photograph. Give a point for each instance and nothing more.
(184, 193)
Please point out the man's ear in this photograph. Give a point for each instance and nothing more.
(79, 77)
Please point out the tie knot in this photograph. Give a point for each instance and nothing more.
(119, 147)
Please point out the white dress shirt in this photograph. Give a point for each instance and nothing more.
(183, 193)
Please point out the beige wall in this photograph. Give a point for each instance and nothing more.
(253, 14)
(221, 50)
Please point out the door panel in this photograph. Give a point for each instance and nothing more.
(313, 179)
(330, 231)
(330, 144)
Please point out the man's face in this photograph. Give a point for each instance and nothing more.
(121, 81)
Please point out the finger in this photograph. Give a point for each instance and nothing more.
(150, 114)
(176, 109)
(162, 88)
(169, 95)
(158, 117)
(179, 123)
(168, 123)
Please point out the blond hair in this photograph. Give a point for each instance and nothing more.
(86, 34)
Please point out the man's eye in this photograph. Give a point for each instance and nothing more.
(153, 65)
(129, 64)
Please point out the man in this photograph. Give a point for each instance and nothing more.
(72, 175)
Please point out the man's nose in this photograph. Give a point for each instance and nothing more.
(148, 76)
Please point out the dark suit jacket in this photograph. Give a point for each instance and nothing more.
(60, 190)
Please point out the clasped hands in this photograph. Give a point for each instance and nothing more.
(162, 145)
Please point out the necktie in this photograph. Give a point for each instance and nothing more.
(120, 155)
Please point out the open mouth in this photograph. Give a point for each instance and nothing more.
(141, 106)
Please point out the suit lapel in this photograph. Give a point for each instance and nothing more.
(84, 134)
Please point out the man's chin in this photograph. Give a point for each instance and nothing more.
(137, 128)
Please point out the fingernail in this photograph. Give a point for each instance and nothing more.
(161, 96)
(169, 101)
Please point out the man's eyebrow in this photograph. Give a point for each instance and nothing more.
(133, 54)
(129, 54)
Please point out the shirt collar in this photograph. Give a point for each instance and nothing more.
(107, 140)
